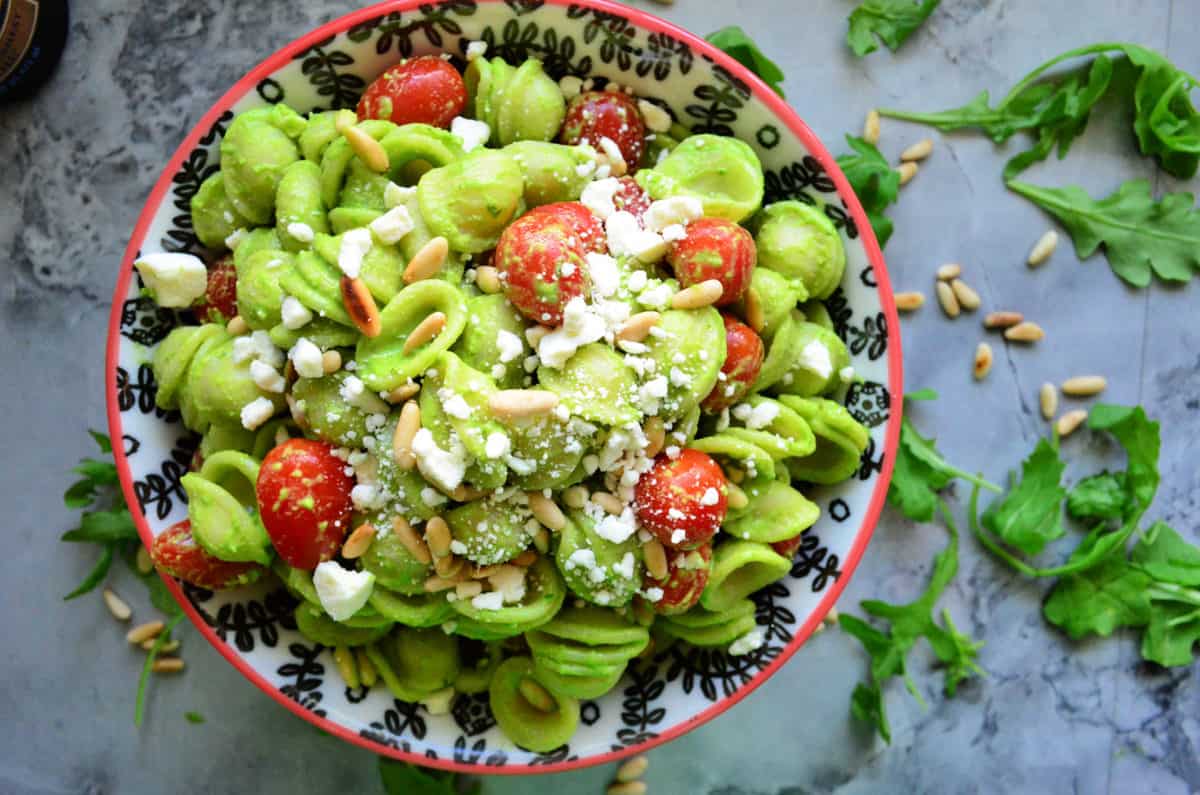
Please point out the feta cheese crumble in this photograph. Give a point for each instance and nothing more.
(756, 417)
(747, 643)
(393, 225)
(306, 358)
(472, 133)
(582, 324)
(394, 195)
(476, 49)
(256, 412)
(674, 210)
(175, 279)
(815, 357)
(295, 314)
(355, 245)
(342, 592)
(301, 231)
(626, 237)
(598, 196)
(509, 345)
(445, 468)
(266, 377)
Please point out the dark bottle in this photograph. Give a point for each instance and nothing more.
(32, 36)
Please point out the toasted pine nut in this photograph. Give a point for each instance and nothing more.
(425, 331)
(907, 302)
(538, 697)
(487, 279)
(949, 272)
(656, 558)
(464, 493)
(1002, 319)
(1043, 249)
(403, 392)
(1068, 422)
(983, 361)
(918, 151)
(406, 430)
(755, 316)
(468, 589)
(656, 434)
(367, 674)
(427, 261)
(151, 629)
(627, 788)
(735, 497)
(636, 328)
(1084, 385)
(1025, 331)
(144, 564)
(237, 326)
(541, 540)
(331, 362)
(907, 171)
(1048, 400)
(526, 559)
(449, 567)
(948, 300)
(831, 617)
(343, 656)
(368, 149)
(167, 648)
(359, 541)
(483, 572)
(635, 768)
(116, 605)
(576, 497)
(513, 403)
(360, 305)
(546, 511)
(871, 127)
(609, 502)
(968, 299)
(437, 536)
(706, 293)
(436, 583)
(167, 665)
(411, 541)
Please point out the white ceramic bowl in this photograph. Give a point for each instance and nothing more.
(679, 688)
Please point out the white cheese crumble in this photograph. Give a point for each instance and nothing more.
(497, 445)
(650, 393)
(570, 85)
(295, 314)
(472, 133)
(617, 528)
(598, 196)
(393, 225)
(454, 404)
(498, 371)
(710, 496)
(656, 119)
(444, 468)
(257, 346)
(306, 358)
(476, 49)
(846, 374)
(301, 231)
(605, 275)
(625, 567)
(627, 238)
(756, 417)
(175, 279)
(585, 559)
(674, 232)
(509, 345)
(366, 497)
(355, 245)
(509, 582)
(256, 412)
(673, 210)
(342, 592)
(656, 297)
(433, 498)
(354, 392)
(815, 357)
(653, 594)
(747, 643)
(492, 600)
(582, 324)
(678, 537)
(394, 195)
(266, 377)
(235, 237)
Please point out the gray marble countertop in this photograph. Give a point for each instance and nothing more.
(1053, 716)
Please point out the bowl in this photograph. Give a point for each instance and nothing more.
(677, 689)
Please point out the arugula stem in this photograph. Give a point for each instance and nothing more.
(139, 704)
(1175, 593)
(1048, 200)
(978, 480)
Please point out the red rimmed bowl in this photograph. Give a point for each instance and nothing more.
(678, 689)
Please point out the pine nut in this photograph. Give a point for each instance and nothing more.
(609, 502)
(907, 171)
(656, 434)
(406, 430)
(656, 558)
(425, 331)
(167, 648)
(755, 316)
(871, 128)
(360, 305)
(426, 263)
(483, 572)
(487, 279)
(735, 498)
(636, 328)
(343, 656)
(144, 564)
(116, 605)
(437, 536)
(948, 300)
(464, 493)
(403, 392)
(968, 299)
(514, 403)
(369, 151)
(468, 589)
(627, 788)
(635, 768)
(367, 674)
(1048, 400)
(331, 362)
(1043, 249)
(526, 559)
(949, 272)
(237, 326)
(1084, 385)
(706, 293)
(538, 697)
(167, 665)
(983, 361)
(411, 541)
(546, 511)
(831, 617)
(449, 567)
(910, 301)
(541, 540)
(359, 541)
(1025, 331)
(436, 584)
(918, 151)
(1068, 422)
(576, 497)
(151, 629)
(1002, 319)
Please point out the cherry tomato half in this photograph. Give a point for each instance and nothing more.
(682, 500)
(304, 501)
(540, 260)
(577, 218)
(631, 198)
(425, 90)
(219, 303)
(176, 553)
(743, 361)
(594, 115)
(714, 249)
(687, 574)
(788, 546)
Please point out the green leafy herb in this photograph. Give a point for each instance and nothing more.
(1174, 626)
(875, 182)
(908, 623)
(737, 44)
(111, 529)
(139, 703)
(1140, 236)
(1099, 496)
(1164, 555)
(1030, 515)
(104, 527)
(889, 21)
(1100, 600)
(404, 779)
(96, 576)
(194, 717)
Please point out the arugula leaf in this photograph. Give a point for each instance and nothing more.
(1029, 516)
(104, 527)
(194, 717)
(96, 576)
(139, 702)
(737, 44)
(957, 651)
(1166, 556)
(1142, 442)
(1099, 600)
(1174, 626)
(404, 779)
(889, 21)
(1140, 236)
(875, 182)
(866, 704)
(102, 441)
(1099, 496)
(922, 394)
